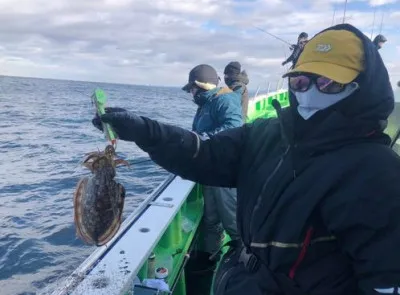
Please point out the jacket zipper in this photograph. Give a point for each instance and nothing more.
(285, 139)
(274, 172)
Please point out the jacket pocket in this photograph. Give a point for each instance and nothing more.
(232, 279)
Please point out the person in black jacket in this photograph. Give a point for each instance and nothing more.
(297, 49)
(379, 40)
(236, 79)
(318, 186)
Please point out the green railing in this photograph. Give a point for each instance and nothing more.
(261, 106)
(171, 250)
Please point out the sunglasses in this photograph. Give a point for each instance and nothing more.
(302, 83)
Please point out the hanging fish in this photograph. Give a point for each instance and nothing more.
(99, 199)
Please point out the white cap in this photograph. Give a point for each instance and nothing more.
(161, 273)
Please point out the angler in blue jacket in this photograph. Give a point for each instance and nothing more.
(318, 187)
(219, 109)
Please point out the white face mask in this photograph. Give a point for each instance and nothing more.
(312, 100)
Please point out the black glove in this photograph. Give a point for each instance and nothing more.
(150, 135)
(127, 125)
(96, 120)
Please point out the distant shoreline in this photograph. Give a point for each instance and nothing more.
(99, 83)
(92, 82)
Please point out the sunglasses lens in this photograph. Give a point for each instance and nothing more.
(299, 83)
(328, 86)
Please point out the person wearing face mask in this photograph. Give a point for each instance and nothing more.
(236, 79)
(318, 186)
(297, 49)
(218, 109)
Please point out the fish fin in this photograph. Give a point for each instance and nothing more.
(78, 196)
(122, 191)
(91, 156)
(122, 162)
(89, 165)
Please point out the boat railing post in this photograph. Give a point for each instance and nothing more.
(258, 89)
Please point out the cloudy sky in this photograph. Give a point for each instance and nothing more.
(158, 41)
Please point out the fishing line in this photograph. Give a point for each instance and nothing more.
(344, 11)
(276, 37)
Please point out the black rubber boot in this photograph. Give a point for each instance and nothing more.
(199, 272)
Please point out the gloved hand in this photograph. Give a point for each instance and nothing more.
(96, 120)
(283, 63)
(126, 125)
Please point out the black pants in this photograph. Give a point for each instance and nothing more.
(199, 273)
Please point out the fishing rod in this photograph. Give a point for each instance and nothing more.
(285, 69)
(344, 11)
(380, 28)
(272, 35)
(333, 17)
(373, 24)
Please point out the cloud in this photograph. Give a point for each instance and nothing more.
(381, 2)
(159, 41)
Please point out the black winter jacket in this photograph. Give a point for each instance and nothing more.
(318, 200)
(297, 50)
(238, 84)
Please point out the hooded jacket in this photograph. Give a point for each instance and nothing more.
(238, 84)
(378, 39)
(218, 109)
(296, 50)
(295, 54)
(318, 200)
